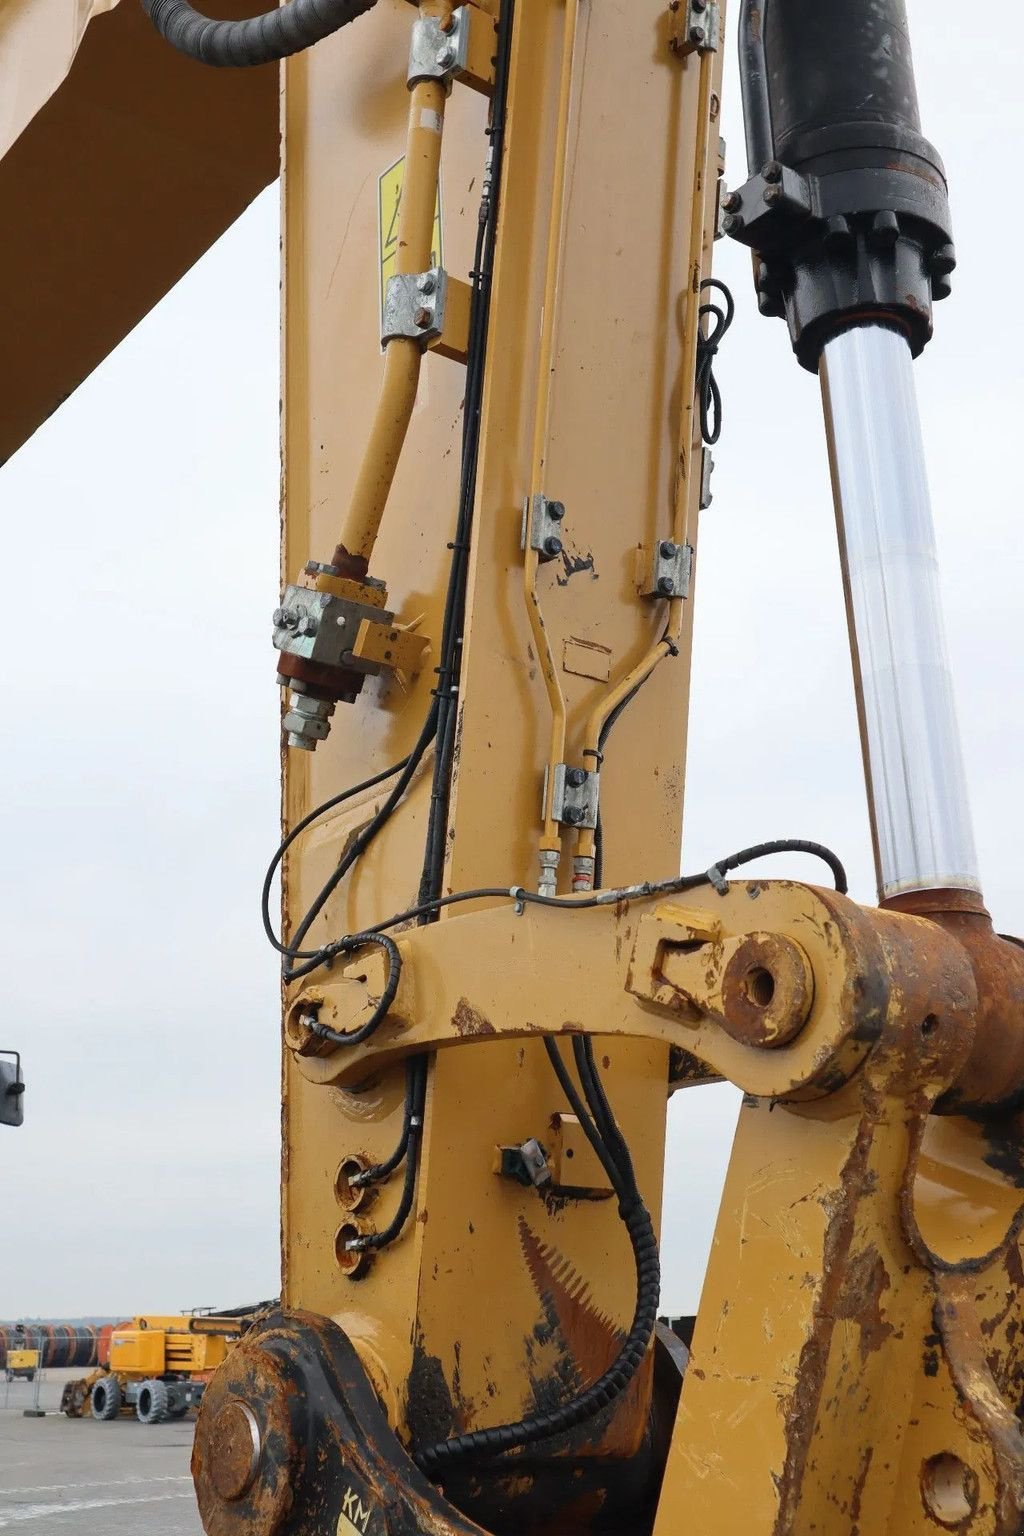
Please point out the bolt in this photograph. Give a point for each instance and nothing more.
(772, 195)
(556, 511)
(306, 626)
(448, 24)
(553, 547)
(666, 586)
(697, 34)
(341, 621)
(668, 551)
(426, 283)
(732, 202)
(699, 5)
(285, 618)
(423, 317)
(572, 816)
(447, 56)
(576, 778)
(772, 171)
(732, 223)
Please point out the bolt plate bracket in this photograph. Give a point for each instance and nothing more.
(696, 26)
(667, 571)
(414, 306)
(576, 796)
(465, 53)
(542, 527)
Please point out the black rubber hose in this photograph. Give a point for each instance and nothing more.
(757, 112)
(259, 39)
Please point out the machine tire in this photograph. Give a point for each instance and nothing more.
(179, 1412)
(106, 1398)
(152, 1406)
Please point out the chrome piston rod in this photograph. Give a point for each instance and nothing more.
(917, 789)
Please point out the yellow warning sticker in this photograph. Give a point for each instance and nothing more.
(389, 203)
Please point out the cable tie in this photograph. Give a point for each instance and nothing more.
(718, 880)
(416, 1122)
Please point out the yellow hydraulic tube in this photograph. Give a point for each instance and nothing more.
(668, 644)
(403, 357)
(551, 839)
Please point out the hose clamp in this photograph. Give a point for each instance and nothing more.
(438, 55)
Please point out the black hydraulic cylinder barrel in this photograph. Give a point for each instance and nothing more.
(838, 71)
(849, 215)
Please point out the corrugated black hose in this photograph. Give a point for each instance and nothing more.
(599, 1126)
(257, 40)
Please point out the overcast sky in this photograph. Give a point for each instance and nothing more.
(138, 798)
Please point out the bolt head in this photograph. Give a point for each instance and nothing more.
(666, 586)
(696, 34)
(285, 618)
(772, 171)
(576, 778)
(668, 550)
(426, 283)
(732, 223)
(306, 626)
(772, 195)
(553, 547)
(572, 816)
(423, 318)
(556, 511)
(446, 58)
(732, 202)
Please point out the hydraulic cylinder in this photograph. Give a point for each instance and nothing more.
(847, 214)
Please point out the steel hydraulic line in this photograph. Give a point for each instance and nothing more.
(668, 645)
(551, 838)
(403, 357)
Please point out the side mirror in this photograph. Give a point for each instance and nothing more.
(12, 1090)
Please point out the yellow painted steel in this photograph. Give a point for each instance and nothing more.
(583, 297)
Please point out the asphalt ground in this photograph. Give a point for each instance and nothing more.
(59, 1475)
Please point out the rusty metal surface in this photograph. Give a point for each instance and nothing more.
(994, 1073)
(292, 1439)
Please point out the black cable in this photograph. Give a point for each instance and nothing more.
(382, 1171)
(449, 671)
(713, 322)
(614, 1155)
(715, 876)
(347, 946)
(257, 40)
(354, 852)
(297, 831)
(602, 742)
(373, 1242)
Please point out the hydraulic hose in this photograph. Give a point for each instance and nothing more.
(757, 112)
(260, 39)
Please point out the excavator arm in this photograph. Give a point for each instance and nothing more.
(500, 324)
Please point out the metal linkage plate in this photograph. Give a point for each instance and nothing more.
(414, 306)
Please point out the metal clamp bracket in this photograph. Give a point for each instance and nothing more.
(670, 571)
(414, 306)
(542, 527)
(576, 797)
(696, 26)
(438, 55)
